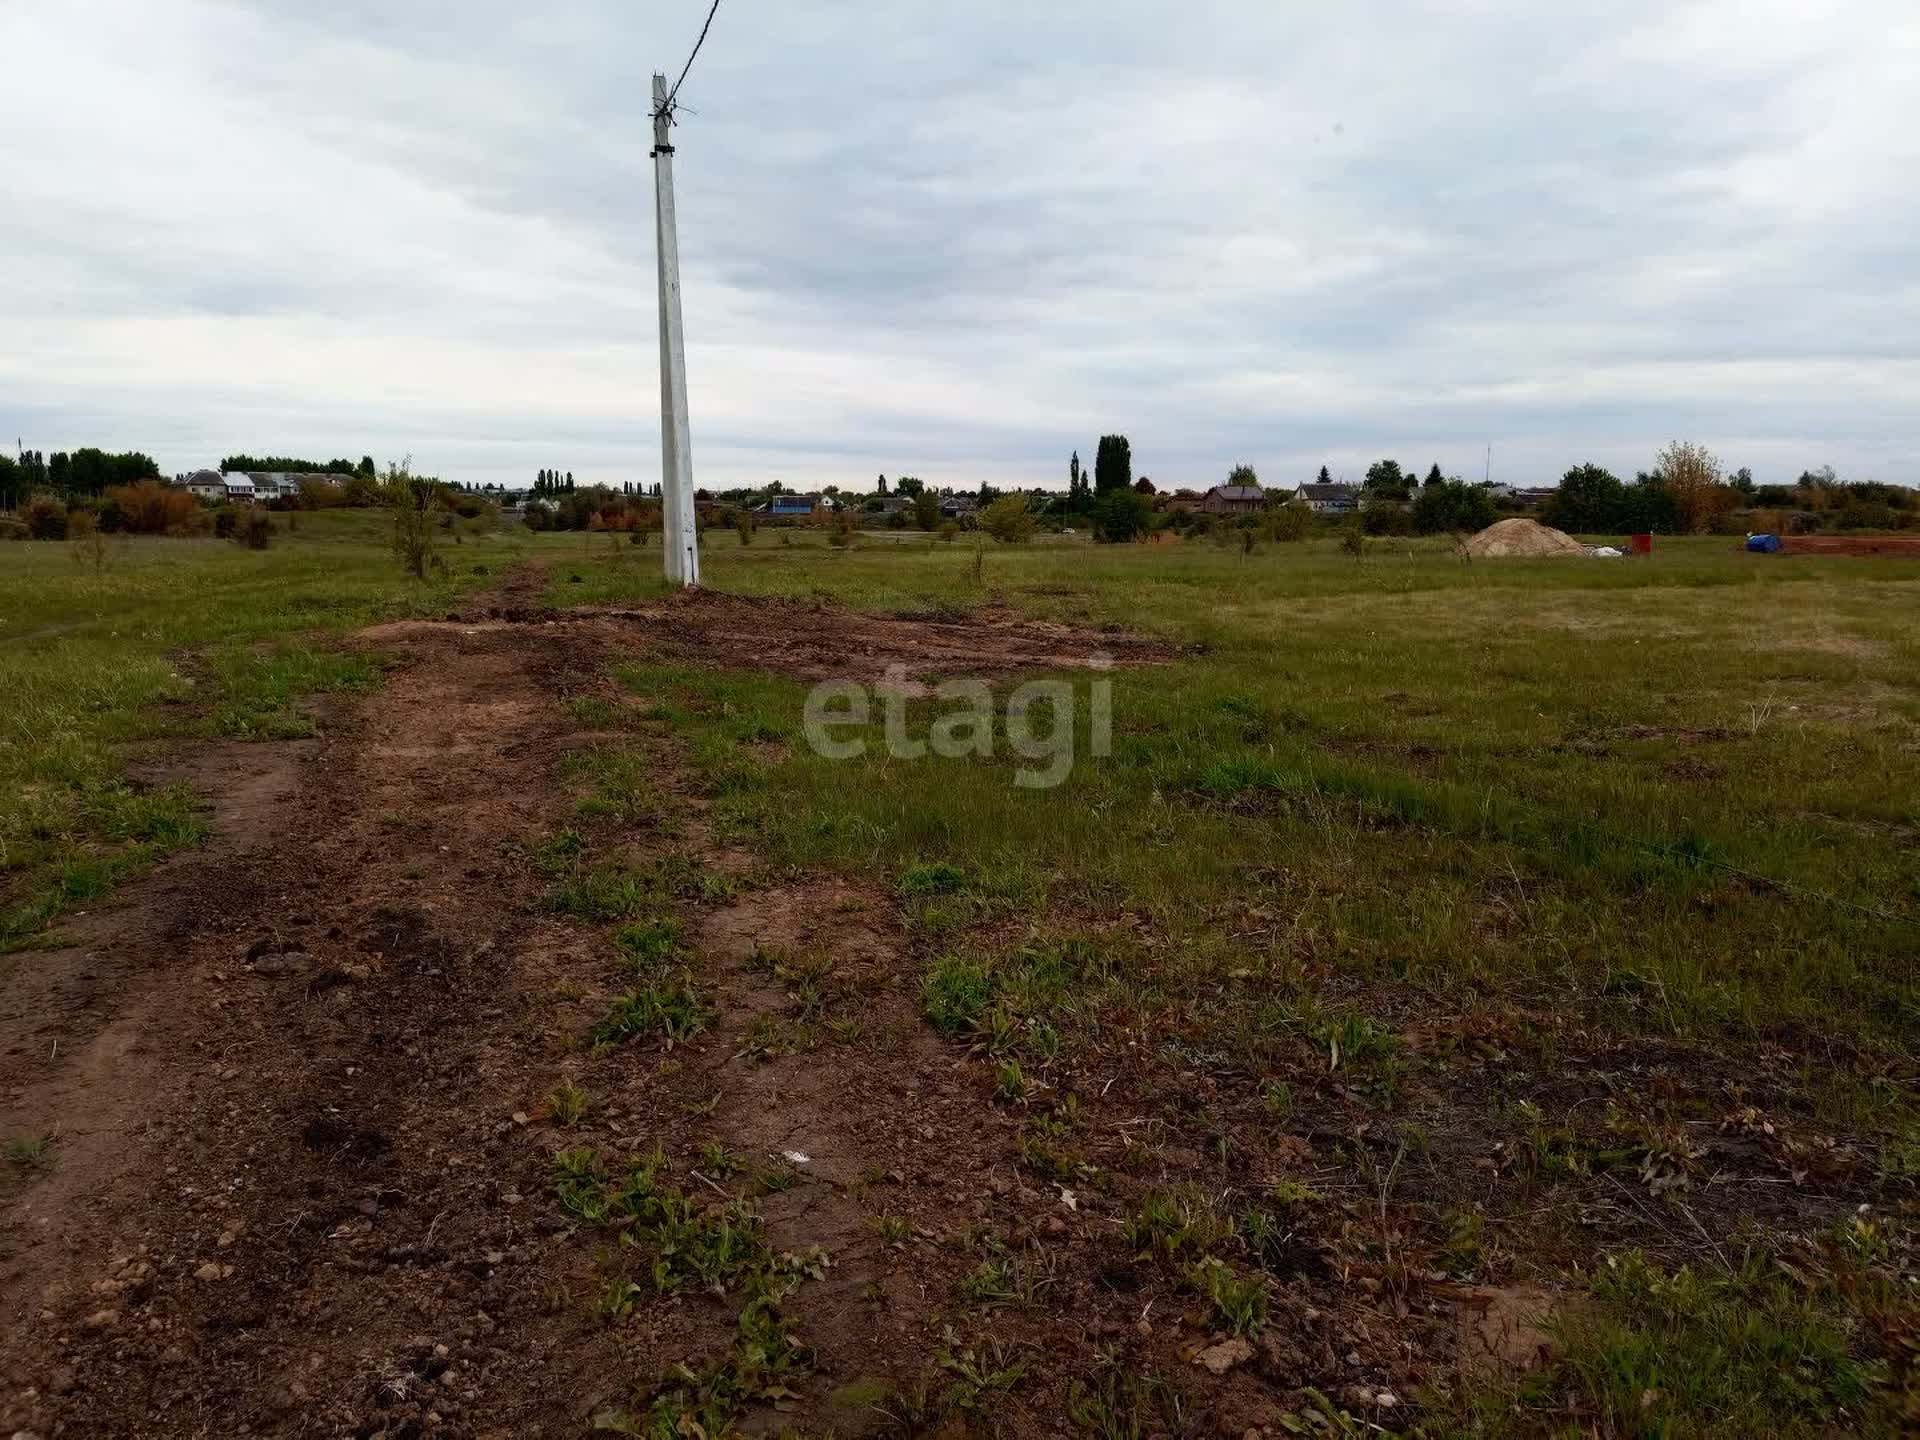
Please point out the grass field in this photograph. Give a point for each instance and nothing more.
(104, 651)
(1564, 912)
(1407, 812)
(1691, 782)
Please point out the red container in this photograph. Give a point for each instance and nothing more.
(1640, 544)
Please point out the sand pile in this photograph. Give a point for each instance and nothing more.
(1522, 537)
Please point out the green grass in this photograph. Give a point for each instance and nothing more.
(171, 638)
(1681, 792)
(719, 1250)
(1767, 1345)
(1381, 839)
(29, 1152)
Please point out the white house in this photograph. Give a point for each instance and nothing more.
(240, 487)
(207, 485)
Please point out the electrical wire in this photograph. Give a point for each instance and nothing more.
(667, 104)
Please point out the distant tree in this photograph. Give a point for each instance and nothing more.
(1008, 520)
(33, 471)
(883, 485)
(1453, 507)
(294, 465)
(1692, 477)
(1385, 478)
(926, 508)
(1144, 486)
(1324, 477)
(1647, 505)
(414, 501)
(58, 466)
(1434, 477)
(1590, 501)
(1243, 475)
(1079, 490)
(569, 479)
(13, 483)
(1112, 465)
(1120, 516)
(1742, 481)
(907, 485)
(367, 467)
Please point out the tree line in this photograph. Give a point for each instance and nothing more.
(86, 472)
(287, 465)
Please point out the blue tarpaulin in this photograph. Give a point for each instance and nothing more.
(1764, 544)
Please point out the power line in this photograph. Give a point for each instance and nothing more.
(668, 104)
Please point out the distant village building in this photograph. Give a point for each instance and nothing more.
(794, 507)
(1328, 499)
(207, 485)
(958, 507)
(240, 487)
(1233, 500)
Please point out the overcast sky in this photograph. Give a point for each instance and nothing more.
(961, 241)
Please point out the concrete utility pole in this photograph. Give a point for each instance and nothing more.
(679, 537)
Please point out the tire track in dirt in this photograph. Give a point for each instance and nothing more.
(296, 1201)
(304, 1178)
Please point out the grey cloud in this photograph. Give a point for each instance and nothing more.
(965, 240)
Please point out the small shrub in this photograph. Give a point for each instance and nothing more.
(254, 529)
(1008, 520)
(46, 519)
(1287, 523)
(149, 508)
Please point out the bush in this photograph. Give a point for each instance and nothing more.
(150, 508)
(1385, 517)
(316, 494)
(46, 519)
(1121, 516)
(224, 520)
(1288, 522)
(1008, 520)
(1452, 506)
(414, 502)
(254, 529)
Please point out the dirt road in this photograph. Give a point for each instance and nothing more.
(297, 1078)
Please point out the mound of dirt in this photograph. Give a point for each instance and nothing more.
(1522, 537)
